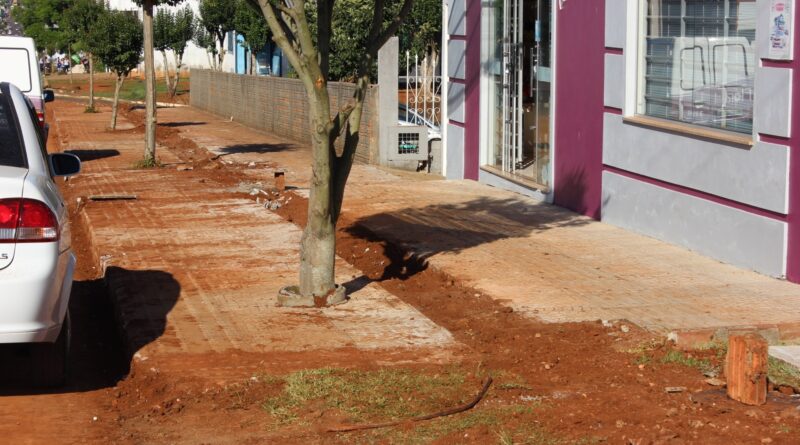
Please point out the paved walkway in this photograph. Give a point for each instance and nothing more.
(539, 259)
(194, 271)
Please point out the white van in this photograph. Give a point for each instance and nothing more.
(21, 68)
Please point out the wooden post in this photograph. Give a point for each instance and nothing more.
(746, 368)
(280, 181)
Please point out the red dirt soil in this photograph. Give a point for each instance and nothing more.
(595, 389)
(591, 389)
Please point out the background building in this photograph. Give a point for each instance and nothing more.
(672, 118)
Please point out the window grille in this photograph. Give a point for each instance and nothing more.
(407, 143)
(699, 62)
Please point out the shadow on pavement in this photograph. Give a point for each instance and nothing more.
(454, 227)
(96, 359)
(180, 124)
(91, 155)
(256, 148)
(142, 299)
(109, 324)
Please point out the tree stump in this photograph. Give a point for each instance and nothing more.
(746, 368)
(280, 181)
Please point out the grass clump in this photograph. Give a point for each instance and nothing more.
(781, 373)
(684, 359)
(146, 163)
(385, 394)
(392, 394)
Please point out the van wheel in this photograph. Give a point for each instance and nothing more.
(51, 359)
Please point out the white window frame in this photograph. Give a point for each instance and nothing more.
(635, 68)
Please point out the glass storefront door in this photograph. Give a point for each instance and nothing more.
(520, 82)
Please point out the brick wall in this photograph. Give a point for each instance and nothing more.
(278, 105)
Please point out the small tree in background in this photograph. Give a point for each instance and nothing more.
(79, 19)
(150, 79)
(216, 16)
(163, 25)
(252, 26)
(118, 44)
(42, 21)
(182, 33)
(309, 54)
(206, 41)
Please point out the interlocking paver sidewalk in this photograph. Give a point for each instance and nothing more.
(194, 271)
(539, 259)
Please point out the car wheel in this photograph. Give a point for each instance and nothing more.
(51, 359)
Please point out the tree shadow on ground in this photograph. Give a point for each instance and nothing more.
(181, 124)
(98, 357)
(142, 300)
(256, 148)
(93, 155)
(413, 235)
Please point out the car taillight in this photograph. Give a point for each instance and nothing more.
(26, 221)
(40, 115)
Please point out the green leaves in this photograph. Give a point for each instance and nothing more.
(172, 30)
(217, 16)
(40, 19)
(252, 26)
(118, 40)
(78, 21)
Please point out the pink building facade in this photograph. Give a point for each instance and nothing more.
(670, 118)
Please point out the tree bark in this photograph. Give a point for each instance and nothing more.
(150, 84)
(69, 64)
(221, 53)
(210, 60)
(115, 104)
(318, 244)
(167, 78)
(178, 64)
(91, 82)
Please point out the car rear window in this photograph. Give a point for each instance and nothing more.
(11, 153)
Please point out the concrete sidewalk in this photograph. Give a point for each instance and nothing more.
(539, 259)
(194, 271)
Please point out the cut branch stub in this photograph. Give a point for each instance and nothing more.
(746, 368)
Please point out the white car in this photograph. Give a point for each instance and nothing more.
(36, 261)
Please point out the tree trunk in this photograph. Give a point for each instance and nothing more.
(91, 82)
(221, 53)
(318, 245)
(150, 82)
(210, 60)
(115, 104)
(167, 79)
(69, 64)
(178, 64)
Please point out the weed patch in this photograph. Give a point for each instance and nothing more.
(392, 394)
(782, 373)
(146, 163)
(681, 358)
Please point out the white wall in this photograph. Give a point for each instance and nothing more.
(194, 57)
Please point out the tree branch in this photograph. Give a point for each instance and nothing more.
(342, 165)
(443, 413)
